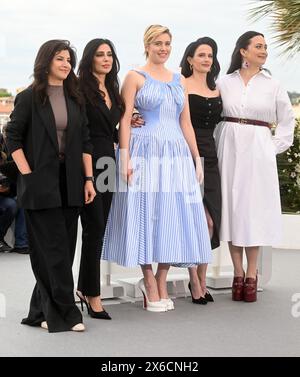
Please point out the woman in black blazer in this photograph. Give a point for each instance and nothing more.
(48, 139)
(98, 79)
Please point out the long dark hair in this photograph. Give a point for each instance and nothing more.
(190, 52)
(242, 42)
(41, 70)
(89, 83)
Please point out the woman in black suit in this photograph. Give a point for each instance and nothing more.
(98, 79)
(48, 139)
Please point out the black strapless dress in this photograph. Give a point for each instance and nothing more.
(205, 114)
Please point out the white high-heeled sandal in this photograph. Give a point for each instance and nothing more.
(168, 302)
(151, 306)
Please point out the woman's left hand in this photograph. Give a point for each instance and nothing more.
(89, 192)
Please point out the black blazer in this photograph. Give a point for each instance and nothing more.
(102, 123)
(32, 128)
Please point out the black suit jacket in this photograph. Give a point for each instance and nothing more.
(102, 123)
(32, 128)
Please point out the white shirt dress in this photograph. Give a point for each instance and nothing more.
(251, 208)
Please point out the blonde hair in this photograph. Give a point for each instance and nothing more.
(152, 32)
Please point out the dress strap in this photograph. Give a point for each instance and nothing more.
(143, 73)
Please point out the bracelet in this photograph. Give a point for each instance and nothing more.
(92, 179)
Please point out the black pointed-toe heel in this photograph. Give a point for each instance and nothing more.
(199, 301)
(99, 315)
(208, 297)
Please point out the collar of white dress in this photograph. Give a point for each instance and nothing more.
(262, 72)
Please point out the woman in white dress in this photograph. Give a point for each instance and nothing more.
(251, 212)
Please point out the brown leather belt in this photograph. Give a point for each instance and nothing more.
(247, 121)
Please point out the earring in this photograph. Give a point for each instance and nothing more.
(245, 64)
(191, 67)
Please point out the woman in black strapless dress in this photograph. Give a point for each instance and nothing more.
(201, 68)
(205, 114)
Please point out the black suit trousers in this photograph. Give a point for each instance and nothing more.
(93, 220)
(52, 240)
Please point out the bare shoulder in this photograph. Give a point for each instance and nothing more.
(217, 91)
(183, 81)
(133, 78)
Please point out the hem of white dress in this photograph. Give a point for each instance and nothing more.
(252, 244)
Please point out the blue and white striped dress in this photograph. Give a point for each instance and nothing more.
(160, 216)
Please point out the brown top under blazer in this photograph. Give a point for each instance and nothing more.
(32, 128)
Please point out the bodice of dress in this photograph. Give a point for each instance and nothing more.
(256, 100)
(205, 112)
(160, 104)
(262, 99)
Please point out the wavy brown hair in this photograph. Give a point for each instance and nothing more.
(42, 63)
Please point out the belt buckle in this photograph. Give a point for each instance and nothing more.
(242, 121)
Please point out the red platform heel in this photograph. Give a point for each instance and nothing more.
(238, 288)
(250, 290)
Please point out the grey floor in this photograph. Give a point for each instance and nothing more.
(223, 328)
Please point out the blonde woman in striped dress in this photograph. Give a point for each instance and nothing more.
(157, 215)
